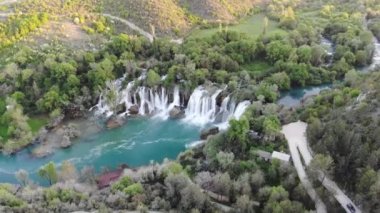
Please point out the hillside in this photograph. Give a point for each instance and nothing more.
(172, 17)
(218, 10)
(165, 15)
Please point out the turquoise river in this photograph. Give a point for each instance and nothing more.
(137, 143)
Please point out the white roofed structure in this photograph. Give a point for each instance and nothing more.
(281, 156)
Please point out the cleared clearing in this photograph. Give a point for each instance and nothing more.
(253, 26)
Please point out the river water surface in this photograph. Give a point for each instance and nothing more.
(137, 143)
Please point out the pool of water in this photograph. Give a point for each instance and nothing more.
(294, 97)
(137, 143)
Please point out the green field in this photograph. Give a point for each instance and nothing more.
(3, 132)
(35, 123)
(253, 26)
(257, 69)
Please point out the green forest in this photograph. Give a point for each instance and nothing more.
(255, 50)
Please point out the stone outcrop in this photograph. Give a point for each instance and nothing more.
(133, 110)
(121, 108)
(177, 113)
(208, 132)
(65, 142)
(115, 122)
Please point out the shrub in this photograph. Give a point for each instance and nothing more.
(122, 183)
(134, 189)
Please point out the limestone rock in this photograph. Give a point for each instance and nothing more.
(208, 132)
(66, 142)
(121, 108)
(115, 122)
(134, 110)
(176, 113)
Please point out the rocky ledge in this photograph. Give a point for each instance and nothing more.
(115, 122)
(208, 132)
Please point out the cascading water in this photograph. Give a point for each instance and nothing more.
(235, 112)
(202, 107)
(376, 56)
(328, 45)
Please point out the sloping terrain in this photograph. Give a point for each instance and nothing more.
(166, 16)
(207, 9)
(225, 10)
(176, 17)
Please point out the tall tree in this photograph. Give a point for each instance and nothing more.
(321, 166)
(49, 173)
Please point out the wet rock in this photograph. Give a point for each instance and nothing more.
(55, 122)
(42, 152)
(71, 131)
(121, 108)
(75, 111)
(66, 142)
(134, 110)
(115, 122)
(42, 135)
(177, 113)
(208, 132)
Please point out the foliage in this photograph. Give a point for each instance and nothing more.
(19, 26)
(8, 199)
(123, 183)
(134, 189)
(49, 173)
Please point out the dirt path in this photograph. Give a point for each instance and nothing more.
(131, 25)
(5, 15)
(7, 2)
(295, 133)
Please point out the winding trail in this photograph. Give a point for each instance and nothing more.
(131, 25)
(5, 15)
(8, 2)
(295, 137)
(295, 134)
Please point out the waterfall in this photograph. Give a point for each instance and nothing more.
(202, 107)
(329, 48)
(240, 109)
(376, 56)
(328, 45)
(234, 112)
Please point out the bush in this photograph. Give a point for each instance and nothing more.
(8, 199)
(134, 189)
(122, 184)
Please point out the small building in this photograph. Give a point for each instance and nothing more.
(264, 155)
(280, 156)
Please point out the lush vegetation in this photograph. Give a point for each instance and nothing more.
(344, 124)
(18, 27)
(281, 51)
(253, 26)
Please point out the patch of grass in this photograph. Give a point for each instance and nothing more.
(4, 132)
(253, 26)
(257, 69)
(37, 123)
